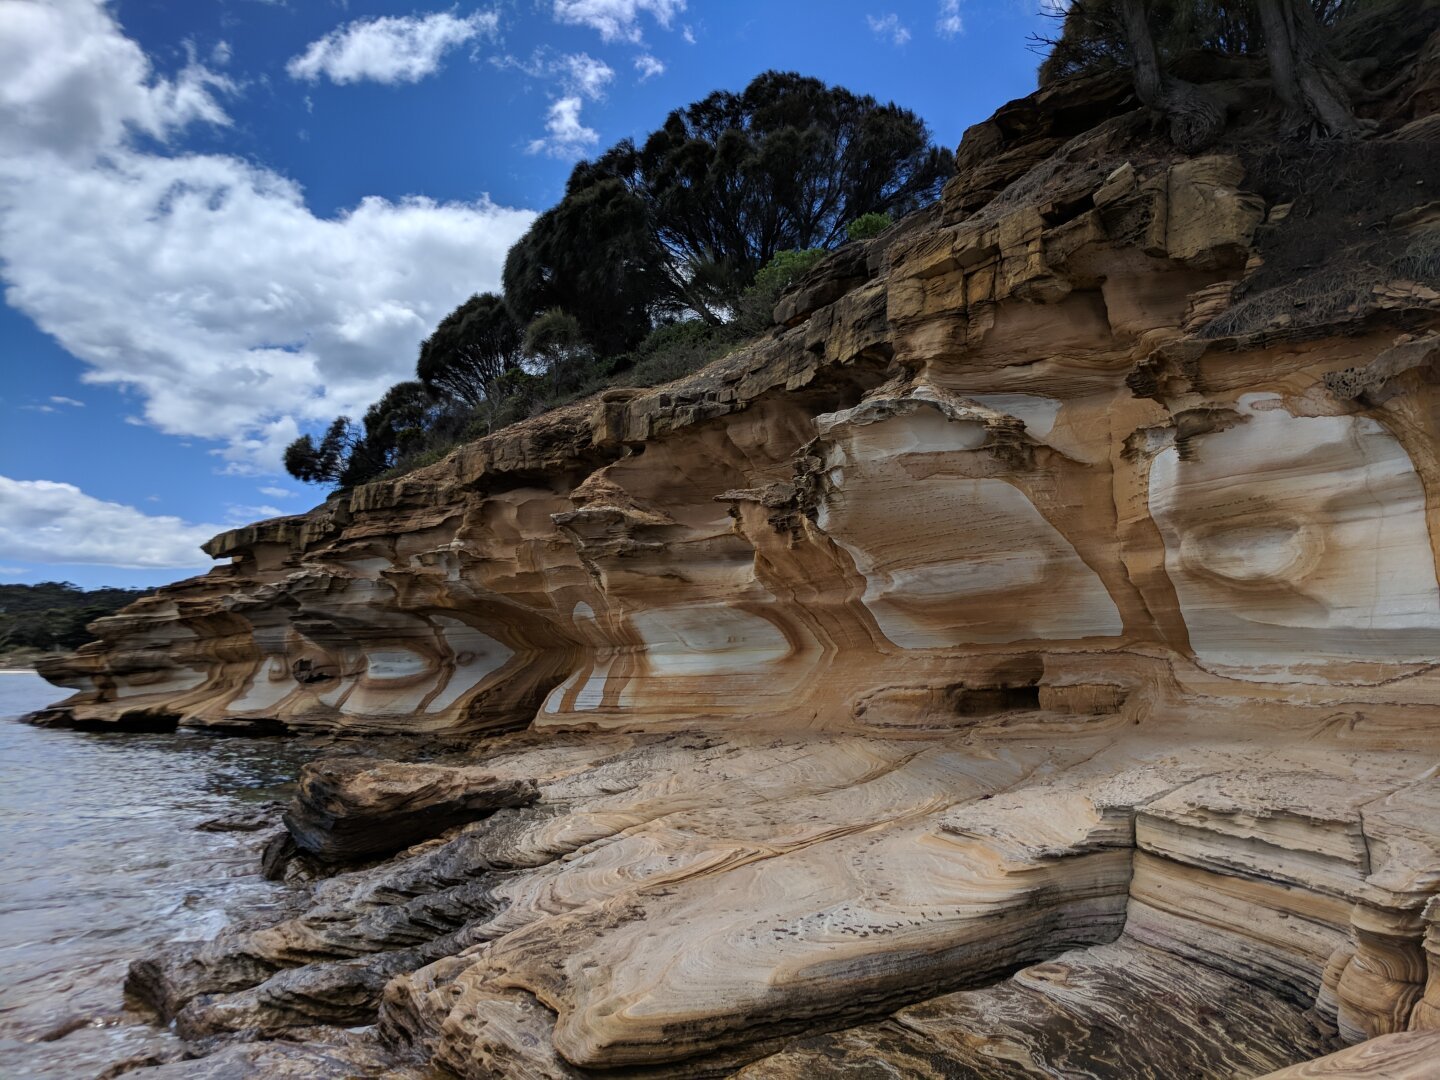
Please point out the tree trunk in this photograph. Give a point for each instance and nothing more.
(1196, 117)
(1306, 76)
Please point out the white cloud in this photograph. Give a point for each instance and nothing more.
(39, 408)
(648, 66)
(220, 55)
(276, 492)
(43, 521)
(889, 26)
(71, 82)
(13, 570)
(577, 73)
(688, 35)
(390, 49)
(585, 75)
(61, 399)
(580, 76)
(616, 20)
(565, 135)
(203, 280)
(949, 23)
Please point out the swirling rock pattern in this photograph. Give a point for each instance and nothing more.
(1015, 664)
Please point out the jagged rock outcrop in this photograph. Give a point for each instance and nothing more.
(1022, 662)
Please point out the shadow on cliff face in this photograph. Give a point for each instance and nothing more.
(135, 720)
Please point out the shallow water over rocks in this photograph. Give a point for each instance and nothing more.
(101, 862)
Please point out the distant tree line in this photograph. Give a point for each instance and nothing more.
(54, 614)
(660, 256)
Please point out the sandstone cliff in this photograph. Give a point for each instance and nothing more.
(1022, 662)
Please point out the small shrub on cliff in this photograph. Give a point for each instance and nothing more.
(867, 226)
(786, 268)
(754, 313)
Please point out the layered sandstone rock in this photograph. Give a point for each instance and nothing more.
(1021, 662)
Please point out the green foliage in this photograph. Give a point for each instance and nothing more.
(556, 344)
(472, 348)
(685, 333)
(676, 349)
(868, 226)
(398, 424)
(594, 256)
(786, 268)
(393, 427)
(682, 222)
(323, 462)
(753, 313)
(54, 614)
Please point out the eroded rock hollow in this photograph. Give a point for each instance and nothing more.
(1022, 662)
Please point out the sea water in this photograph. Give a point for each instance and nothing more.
(101, 863)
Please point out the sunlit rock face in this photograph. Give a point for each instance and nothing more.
(902, 479)
(1299, 546)
(1022, 661)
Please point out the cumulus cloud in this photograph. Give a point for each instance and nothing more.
(276, 492)
(648, 66)
(616, 20)
(389, 49)
(949, 23)
(585, 75)
(889, 26)
(565, 136)
(42, 521)
(70, 83)
(203, 280)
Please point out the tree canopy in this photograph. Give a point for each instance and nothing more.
(593, 255)
(321, 462)
(348, 454)
(684, 221)
(471, 350)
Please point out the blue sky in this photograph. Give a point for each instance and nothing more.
(223, 222)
